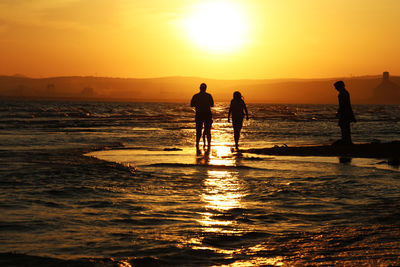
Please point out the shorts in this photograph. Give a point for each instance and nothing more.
(204, 118)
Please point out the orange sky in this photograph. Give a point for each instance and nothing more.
(154, 38)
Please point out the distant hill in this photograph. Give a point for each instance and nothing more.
(363, 90)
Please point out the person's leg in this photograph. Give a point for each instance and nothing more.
(236, 135)
(199, 127)
(346, 134)
(237, 127)
(204, 140)
(207, 130)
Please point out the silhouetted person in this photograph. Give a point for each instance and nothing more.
(238, 109)
(203, 102)
(345, 113)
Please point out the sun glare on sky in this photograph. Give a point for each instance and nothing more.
(220, 39)
(217, 26)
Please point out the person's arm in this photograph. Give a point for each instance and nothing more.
(245, 110)
(340, 106)
(352, 118)
(192, 102)
(211, 101)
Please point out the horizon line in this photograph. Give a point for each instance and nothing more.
(17, 75)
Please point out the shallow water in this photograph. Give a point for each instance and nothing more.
(140, 205)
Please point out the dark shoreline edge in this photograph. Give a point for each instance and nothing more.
(390, 150)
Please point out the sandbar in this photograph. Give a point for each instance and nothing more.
(390, 150)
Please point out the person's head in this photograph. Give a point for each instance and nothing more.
(339, 85)
(203, 87)
(237, 95)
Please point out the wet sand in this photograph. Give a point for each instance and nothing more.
(389, 151)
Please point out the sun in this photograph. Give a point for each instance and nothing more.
(217, 26)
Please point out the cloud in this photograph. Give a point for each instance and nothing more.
(58, 14)
(84, 13)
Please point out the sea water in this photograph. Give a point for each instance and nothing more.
(120, 184)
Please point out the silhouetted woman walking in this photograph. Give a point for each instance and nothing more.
(238, 109)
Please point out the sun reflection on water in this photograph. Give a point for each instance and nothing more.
(221, 194)
(219, 155)
(258, 261)
(221, 191)
(224, 218)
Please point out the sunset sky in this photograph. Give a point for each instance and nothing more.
(213, 39)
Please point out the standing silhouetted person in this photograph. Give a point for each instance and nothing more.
(345, 113)
(238, 109)
(203, 102)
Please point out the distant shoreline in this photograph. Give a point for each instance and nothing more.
(363, 89)
(123, 100)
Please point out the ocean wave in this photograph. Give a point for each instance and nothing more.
(59, 203)
(15, 259)
(145, 221)
(208, 166)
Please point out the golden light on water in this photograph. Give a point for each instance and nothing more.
(222, 191)
(258, 261)
(221, 194)
(123, 264)
(221, 156)
(221, 188)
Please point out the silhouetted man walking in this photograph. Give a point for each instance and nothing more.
(345, 113)
(203, 102)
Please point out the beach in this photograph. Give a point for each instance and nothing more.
(119, 184)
